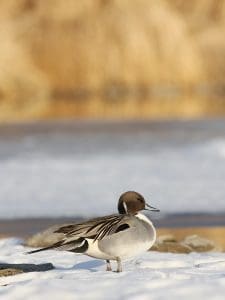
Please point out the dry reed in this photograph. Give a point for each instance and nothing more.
(49, 47)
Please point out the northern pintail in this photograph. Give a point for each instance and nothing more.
(114, 237)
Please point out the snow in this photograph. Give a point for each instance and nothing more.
(83, 174)
(153, 276)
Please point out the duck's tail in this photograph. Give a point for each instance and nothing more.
(79, 245)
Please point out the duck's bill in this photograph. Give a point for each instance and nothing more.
(151, 208)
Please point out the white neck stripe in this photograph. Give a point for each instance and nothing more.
(125, 206)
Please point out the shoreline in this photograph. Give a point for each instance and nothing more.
(214, 234)
(24, 227)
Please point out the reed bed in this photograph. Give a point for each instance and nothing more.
(94, 48)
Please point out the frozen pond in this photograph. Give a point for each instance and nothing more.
(71, 168)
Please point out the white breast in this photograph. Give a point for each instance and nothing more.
(152, 231)
(144, 218)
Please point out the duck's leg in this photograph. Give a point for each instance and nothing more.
(108, 265)
(119, 265)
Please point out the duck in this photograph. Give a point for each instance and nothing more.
(113, 237)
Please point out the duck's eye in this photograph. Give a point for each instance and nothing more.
(141, 200)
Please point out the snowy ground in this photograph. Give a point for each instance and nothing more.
(151, 276)
(179, 167)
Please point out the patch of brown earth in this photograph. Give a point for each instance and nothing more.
(198, 239)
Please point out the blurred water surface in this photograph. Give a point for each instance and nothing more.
(76, 168)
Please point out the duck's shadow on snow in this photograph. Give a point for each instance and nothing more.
(90, 265)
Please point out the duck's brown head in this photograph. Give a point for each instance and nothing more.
(132, 202)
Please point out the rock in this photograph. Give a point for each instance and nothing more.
(13, 269)
(168, 243)
(166, 238)
(199, 244)
(173, 247)
(10, 272)
(192, 243)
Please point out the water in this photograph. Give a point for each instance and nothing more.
(74, 168)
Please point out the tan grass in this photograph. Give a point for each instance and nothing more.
(47, 45)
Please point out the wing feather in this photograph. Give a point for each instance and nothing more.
(75, 235)
(96, 228)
